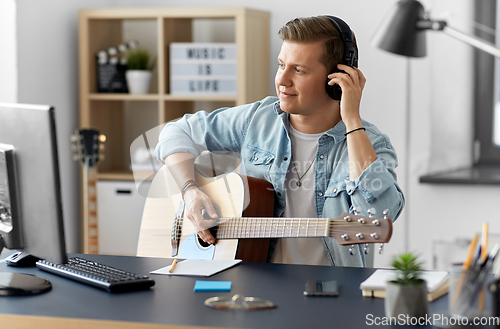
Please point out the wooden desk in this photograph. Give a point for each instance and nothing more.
(171, 303)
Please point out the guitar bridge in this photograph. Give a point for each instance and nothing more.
(177, 229)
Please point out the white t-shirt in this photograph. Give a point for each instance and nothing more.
(300, 202)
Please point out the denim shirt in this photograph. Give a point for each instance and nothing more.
(257, 132)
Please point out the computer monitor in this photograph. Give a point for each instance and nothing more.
(30, 196)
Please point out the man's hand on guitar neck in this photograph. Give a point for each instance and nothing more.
(181, 166)
(195, 201)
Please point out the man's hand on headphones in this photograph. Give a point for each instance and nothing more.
(352, 83)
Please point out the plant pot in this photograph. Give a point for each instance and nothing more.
(406, 300)
(138, 81)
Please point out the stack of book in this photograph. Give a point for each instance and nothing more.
(437, 283)
(203, 68)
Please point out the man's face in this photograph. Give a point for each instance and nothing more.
(300, 79)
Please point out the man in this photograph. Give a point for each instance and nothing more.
(320, 156)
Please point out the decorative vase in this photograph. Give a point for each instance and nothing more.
(138, 81)
(408, 300)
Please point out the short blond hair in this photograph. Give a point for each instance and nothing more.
(314, 29)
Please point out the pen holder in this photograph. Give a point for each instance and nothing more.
(494, 289)
(468, 295)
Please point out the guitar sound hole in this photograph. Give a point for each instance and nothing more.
(213, 229)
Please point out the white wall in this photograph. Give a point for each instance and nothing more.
(8, 52)
(440, 103)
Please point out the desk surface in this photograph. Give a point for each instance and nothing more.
(172, 302)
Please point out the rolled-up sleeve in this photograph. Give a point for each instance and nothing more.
(376, 187)
(220, 130)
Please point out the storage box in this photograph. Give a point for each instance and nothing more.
(119, 211)
(203, 68)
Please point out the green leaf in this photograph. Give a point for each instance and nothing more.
(408, 267)
(138, 59)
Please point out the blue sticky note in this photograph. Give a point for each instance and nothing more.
(212, 286)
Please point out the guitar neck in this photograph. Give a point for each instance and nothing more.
(269, 227)
(347, 229)
(90, 229)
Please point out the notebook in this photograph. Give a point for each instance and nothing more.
(198, 267)
(374, 286)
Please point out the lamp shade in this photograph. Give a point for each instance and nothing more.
(399, 33)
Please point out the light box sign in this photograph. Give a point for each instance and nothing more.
(203, 68)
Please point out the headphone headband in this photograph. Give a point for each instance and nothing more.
(349, 57)
(345, 32)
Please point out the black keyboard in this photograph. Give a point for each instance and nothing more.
(97, 275)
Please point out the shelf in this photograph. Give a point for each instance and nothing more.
(171, 12)
(478, 174)
(215, 98)
(127, 175)
(122, 175)
(123, 97)
(123, 117)
(157, 97)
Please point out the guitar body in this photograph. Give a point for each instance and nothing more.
(233, 195)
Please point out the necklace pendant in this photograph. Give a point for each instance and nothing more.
(299, 184)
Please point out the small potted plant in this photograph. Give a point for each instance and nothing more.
(139, 66)
(407, 294)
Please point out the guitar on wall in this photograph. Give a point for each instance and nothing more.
(87, 144)
(245, 226)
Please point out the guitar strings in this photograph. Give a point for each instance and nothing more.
(267, 226)
(280, 227)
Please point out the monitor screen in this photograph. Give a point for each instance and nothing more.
(30, 195)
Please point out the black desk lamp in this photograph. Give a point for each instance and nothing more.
(403, 31)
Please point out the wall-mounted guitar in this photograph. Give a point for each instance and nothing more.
(89, 144)
(165, 232)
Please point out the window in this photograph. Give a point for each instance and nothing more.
(496, 122)
(486, 169)
(487, 90)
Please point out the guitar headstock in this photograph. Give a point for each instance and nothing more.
(88, 145)
(351, 229)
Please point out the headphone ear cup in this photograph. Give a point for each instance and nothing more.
(335, 92)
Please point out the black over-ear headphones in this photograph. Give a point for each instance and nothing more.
(349, 57)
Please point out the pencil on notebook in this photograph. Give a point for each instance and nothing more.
(172, 267)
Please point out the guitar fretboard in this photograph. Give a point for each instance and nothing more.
(269, 227)
(90, 229)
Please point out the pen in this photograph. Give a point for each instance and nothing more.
(472, 246)
(484, 258)
(484, 242)
(172, 266)
(465, 267)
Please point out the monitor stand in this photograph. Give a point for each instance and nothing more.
(18, 284)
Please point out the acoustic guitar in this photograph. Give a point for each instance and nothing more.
(87, 143)
(245, 224)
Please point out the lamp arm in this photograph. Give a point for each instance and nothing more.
(426, 24)
(473, 41)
